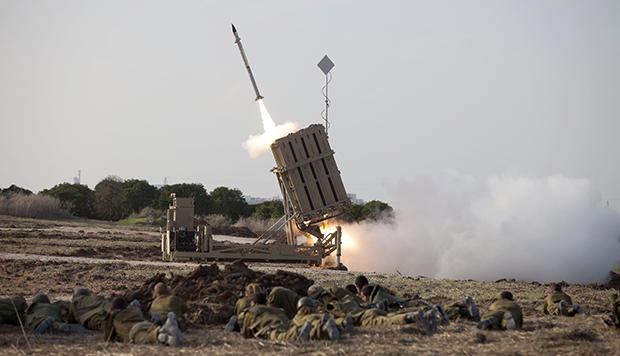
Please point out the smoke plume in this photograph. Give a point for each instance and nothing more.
(257, 145)
(455, 227)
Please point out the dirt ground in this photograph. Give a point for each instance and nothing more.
(115, 260)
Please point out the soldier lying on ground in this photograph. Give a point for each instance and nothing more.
(261, 321)
(243, 304)
(374, 293)
(128, 325)
(559, 303)
(502, 315)
(88, 310)
(361, 316)
(42, 315)
(12, 310)
(284, 298)
(614, 323)
(323, 327)
(316, 292)
(465, 309)
(165, 303)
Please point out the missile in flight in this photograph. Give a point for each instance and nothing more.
(245, 61)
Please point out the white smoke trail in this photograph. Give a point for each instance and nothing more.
(259, 144)
(455, 227)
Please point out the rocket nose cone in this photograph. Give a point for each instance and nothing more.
(234, 29)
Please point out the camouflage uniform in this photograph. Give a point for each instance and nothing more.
(552, 304)
(457, 310)
(89, 311)
(242, 305)
(407, 304)
(497, 310)
(39, 312)
(345, 296)
(363, 317)
(284, 298)
(271, 323)
(129, 326)
(170, 303)
(7, 310)
(317, 333)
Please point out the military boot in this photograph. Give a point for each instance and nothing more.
(486, 323)
(472, 309)
(42, 328)
(562, 307)
(303, 332)
(329, 328)
(511, 324)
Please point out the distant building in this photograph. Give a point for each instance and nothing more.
(354, 199)
(253, 200)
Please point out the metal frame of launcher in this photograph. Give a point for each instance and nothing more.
(313, 192)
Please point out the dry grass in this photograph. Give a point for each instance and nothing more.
(217, 220)
(30, 206)
(257, 225)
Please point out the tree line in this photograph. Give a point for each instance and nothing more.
(116, 199)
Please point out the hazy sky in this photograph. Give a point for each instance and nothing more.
(156, 89)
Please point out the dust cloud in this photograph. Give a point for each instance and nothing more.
(257, 145)
(509, 226)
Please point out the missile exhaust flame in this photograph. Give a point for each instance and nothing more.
(257, 145)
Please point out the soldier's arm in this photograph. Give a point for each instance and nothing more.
(247, 321)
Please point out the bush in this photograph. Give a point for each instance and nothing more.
(108, 195)
(151, 213)
(217, 220)
(78, 199)
(269, 209)
(31, 206)
(260, 226)
(255, 224)
(13, 189)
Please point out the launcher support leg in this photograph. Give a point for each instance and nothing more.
(338, 244)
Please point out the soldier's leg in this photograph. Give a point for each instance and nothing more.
(345, 325)
(144, 332)
(578, 309)
(315, 319)
(374, 317)
(455, 310)
(41, 324)
(492, 319)
(292, 333)
(69, 328)
(329, 329)
(172, 334)
(96, 322)
(554, 309)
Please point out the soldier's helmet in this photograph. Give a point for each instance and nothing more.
(315, 291)
(305, 301)
(81, 291)
(41, 298)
